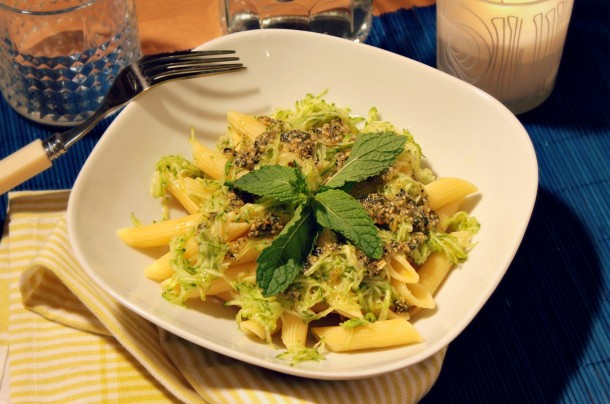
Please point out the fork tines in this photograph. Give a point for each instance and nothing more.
(185, 64)
(185, 53)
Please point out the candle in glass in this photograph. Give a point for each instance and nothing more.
(510, 49)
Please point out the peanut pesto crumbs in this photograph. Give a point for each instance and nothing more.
(319, 250)
(235, 247)
(401, 306)
(299, 142)
(390, 212)
(415, 241)
(250, 157)
(333, 132)
(269, 225)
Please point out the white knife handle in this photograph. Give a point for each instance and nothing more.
(23, 165)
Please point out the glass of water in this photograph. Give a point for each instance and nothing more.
(58, 58)
(350, 19)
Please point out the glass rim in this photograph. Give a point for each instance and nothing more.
(30, 12)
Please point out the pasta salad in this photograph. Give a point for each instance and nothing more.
(313, 223)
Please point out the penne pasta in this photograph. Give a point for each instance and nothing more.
(434, 271)
(249, 251)
(236, 139)
(179, 192)
(157, 234)
(160, 269)
(160, 233)
(294, 331)
(246, 126)
(209, 161)
(414, 294)
(401, 270)
(379, 334)
(221, 285)
(253, 329)
(233, 230)
(445, 190)
(352, 312)
(194, 189)
(445, 212)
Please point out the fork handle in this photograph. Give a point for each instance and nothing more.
(23, 165)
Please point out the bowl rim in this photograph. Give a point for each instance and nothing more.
(430, 350)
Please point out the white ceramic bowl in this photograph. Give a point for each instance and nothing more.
(463, 132)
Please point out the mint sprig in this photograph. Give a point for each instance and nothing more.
(339, 211)
(331, 207)
(281, 262)
(283, 184)
(371, 154)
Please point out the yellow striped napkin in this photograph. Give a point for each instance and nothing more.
(70, 342)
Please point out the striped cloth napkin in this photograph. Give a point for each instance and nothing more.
(71, 342)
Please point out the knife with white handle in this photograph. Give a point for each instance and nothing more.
(23, 165)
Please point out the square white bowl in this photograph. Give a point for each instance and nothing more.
(462, 131)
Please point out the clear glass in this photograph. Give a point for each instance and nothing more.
(510, 49)
(58, 58)
(350, 19)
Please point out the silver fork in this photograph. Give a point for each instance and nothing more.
(133, 80)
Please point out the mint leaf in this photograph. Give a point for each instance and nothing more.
(372, 153)
(342, 213)
(283, 184)
(281, 262)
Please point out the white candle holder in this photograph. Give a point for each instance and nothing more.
(510, 49)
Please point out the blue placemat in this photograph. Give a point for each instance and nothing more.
(17, 131)
(544, 336)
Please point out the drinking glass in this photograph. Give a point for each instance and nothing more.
(350, 19)
(58, 58)
(511, 49)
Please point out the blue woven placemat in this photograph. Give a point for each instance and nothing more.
(17, 131)
(544, 335)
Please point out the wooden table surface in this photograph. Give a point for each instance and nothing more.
(167, 25)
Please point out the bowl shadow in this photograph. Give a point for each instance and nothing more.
(520, 336)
